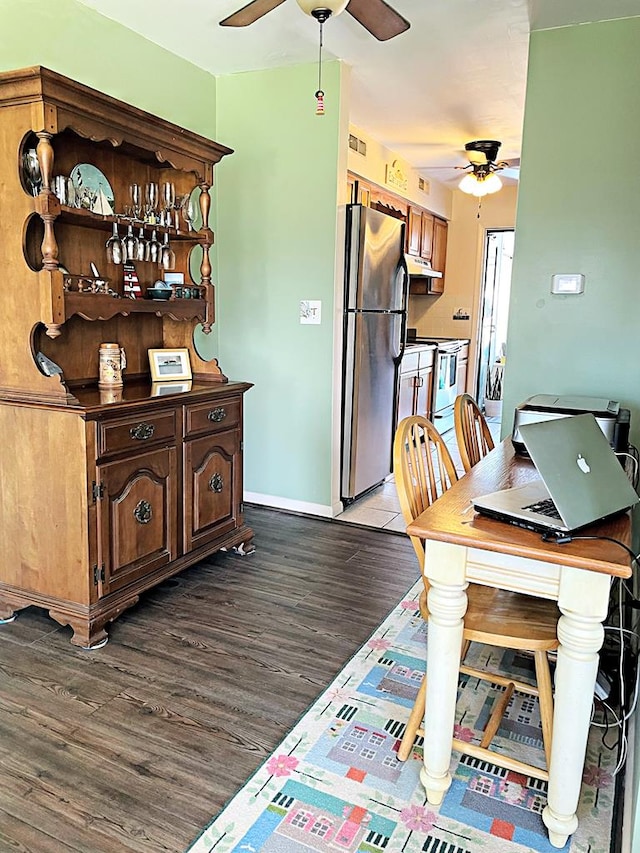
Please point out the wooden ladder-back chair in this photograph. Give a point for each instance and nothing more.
(472, 433)
(423, 470)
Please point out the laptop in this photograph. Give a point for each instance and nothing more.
(581, 479)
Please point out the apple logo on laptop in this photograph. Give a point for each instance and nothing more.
(583, 465)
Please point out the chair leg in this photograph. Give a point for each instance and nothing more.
(415, 721)
(496, 716)
(545, 694)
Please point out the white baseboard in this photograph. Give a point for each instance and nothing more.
(291, 505)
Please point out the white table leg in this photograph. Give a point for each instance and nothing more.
(581, 635)
(447, 606)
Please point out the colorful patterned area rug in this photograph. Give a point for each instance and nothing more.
(335, 783)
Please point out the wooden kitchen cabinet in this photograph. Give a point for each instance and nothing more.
(358, 191)
(415, 394)
(439, 254)
(104, 492)
(426, 237)
(414, 231)
(425, 233)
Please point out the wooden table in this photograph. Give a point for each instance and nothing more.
(463, 547)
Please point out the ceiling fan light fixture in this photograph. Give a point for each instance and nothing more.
(480, 185)
(322, 8)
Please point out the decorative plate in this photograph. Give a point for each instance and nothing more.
(92, 188)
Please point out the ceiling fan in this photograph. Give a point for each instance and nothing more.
(376, 16)
(483, 179)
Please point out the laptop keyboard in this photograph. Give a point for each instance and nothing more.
(545, 507)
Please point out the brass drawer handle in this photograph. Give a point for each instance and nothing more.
(216, 483)
(142, 431)
(217, 415)
(143, 512)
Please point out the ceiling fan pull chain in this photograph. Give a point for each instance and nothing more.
(320, 93)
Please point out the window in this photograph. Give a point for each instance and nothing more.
(368, 754)
(321, 828)
(301, 819)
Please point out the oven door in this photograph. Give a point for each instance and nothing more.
(443, 382)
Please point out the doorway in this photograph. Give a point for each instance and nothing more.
(494, 311)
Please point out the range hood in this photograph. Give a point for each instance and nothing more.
(419, 267)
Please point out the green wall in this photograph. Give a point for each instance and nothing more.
(70, 38)
(579, 212)
(277, 202)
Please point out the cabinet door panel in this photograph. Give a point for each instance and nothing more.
(426, 236)
(406, 395)
(425, 391)
(213, 483)
(414, 231)
(138, 517)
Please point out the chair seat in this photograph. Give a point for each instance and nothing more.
(510, 620)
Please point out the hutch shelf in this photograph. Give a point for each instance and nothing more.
(105, 492)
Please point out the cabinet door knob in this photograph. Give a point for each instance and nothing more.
(217, 415)
(216, 483)
(142, 431)
(143, 512)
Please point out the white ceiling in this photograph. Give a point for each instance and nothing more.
(456, 75)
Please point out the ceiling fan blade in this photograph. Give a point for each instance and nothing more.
(510, 172)
(250, 13)
(378, 17)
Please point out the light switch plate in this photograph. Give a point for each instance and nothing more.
(567, 283)
(311, 311)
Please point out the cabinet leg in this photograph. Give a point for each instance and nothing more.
(90, 633)
(87, 635)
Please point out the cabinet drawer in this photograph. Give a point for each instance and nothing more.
(135, 432)
(427, 358)
(212, 416)
(410, 361)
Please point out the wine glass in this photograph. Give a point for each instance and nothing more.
(135, 194)
(168, 195)
(114, 247)
(154, 248)
(130, 244)
(188, 211)
(141, 250)
(167, 255)
(151, 199)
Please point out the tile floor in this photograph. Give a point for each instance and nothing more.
(380, 507)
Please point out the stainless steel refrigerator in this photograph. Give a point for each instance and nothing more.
(375, 321)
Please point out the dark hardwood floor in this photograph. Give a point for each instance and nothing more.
(136, 746)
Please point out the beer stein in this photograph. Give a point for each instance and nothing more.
(112, 360)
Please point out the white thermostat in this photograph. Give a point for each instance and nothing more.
(567, 284)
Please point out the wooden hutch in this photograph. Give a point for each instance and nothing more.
(104, 493)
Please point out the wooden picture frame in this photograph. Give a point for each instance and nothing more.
(169, 365)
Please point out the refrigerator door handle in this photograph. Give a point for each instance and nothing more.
(405, 306)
